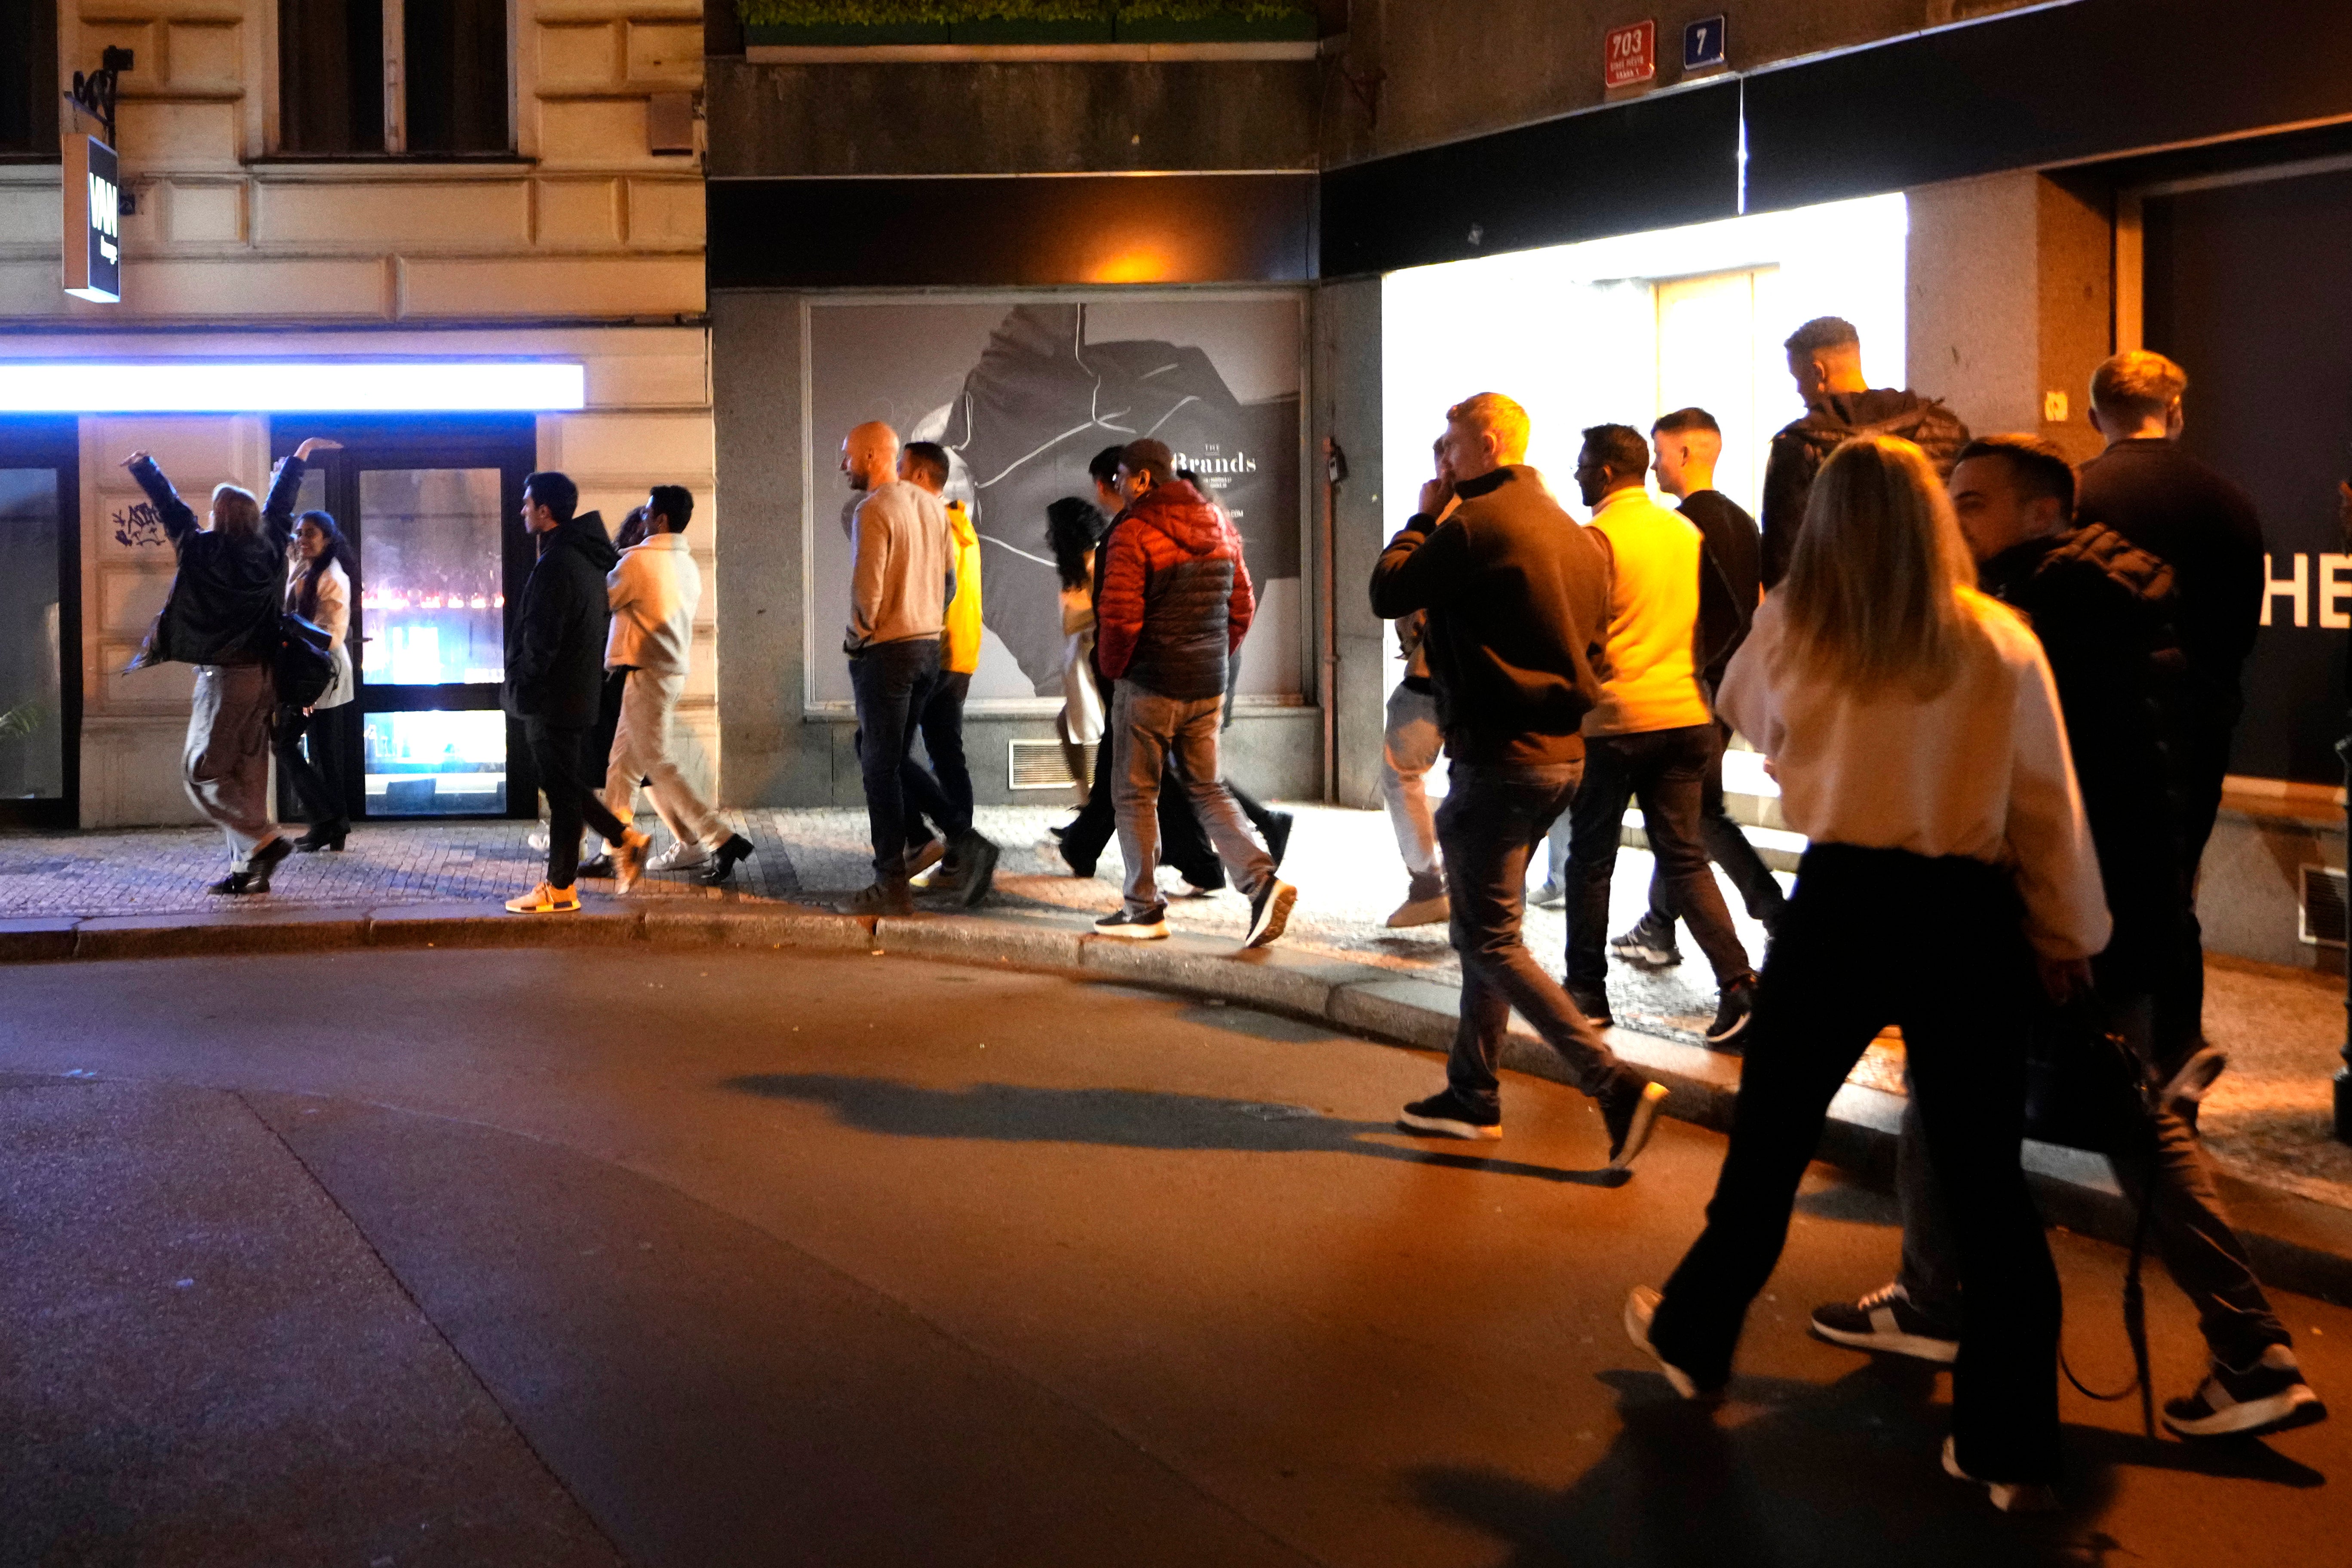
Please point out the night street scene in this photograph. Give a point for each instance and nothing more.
(1036, 783)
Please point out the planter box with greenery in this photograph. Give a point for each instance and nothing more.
(834, 24)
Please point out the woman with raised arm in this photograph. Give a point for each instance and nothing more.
(1915, 729)
(222, 615)
(321, 593)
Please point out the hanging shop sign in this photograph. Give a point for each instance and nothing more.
(1631, 56)
(93, 235)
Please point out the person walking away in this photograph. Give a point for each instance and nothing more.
(1175, 604)
(1517, 597)
(222, 615)
(1686, 444)
(1182, 842)
(653, 591)
(1825, 359)
(2102, 611)
(1273, 826)
(1073, 529)
(321, 593)
(595, 860)
(943, 791)
(555, 667)
(901, 578)
(1917, 734)
(2164, 500)
(1651, 737)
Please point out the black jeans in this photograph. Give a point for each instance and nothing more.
(1667, 771)
(2197, 755)
(1874, 937)
(1183, 842)
(891, 680)
(941, 792)
(1729, 847)
(569, 782)
(316, 779)
(1491, 821)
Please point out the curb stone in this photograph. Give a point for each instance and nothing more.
(2296, 1244)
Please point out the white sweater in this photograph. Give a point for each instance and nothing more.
(653, 592)
(1981, 771)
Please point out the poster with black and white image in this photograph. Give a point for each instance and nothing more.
(1022, 394)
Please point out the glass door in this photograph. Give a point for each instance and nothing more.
(429, 508)
(40, 627)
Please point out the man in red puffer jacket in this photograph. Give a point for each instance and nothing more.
(1175, 604)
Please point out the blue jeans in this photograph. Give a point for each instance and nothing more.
(1152, 731)
(891, 680)
(941, 792)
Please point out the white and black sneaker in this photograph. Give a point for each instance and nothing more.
(1641, 1307)
(2009, 1497)
(1651, 943)
(1448, 1115)
(1270, 911)
(1152, 926)
(2268, 1396)
(1735, 1008)
(1884, 1322)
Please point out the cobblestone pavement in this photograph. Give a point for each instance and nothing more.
(2269, 1119)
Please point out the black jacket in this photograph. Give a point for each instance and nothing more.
(229, 590)
(555, 649)
(1517, 596)
(1801, 447)
(1729, 577)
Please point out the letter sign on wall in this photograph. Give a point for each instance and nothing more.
(1632, 56)
(93, 237)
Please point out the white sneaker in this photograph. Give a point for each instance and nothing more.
(681, 855)
(546, 900)
(1641, 1306)
(536, 839)
(2009, 1497)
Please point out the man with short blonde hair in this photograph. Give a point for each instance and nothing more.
(1496, 418)
(2136, 389)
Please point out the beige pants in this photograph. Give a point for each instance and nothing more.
(641, 751)
(226, 763)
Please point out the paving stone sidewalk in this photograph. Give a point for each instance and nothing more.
(2269, 1121)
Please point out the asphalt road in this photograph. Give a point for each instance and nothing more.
(573, 1257)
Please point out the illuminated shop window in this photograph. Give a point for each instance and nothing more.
(430, 600)
(435, 764)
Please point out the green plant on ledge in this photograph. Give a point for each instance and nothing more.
(935, 13)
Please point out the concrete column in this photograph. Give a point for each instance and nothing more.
(1347, 331)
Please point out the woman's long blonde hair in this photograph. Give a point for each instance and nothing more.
(235, 511)
(1879, 589)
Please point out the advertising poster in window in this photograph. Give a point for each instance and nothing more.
(1022, 395)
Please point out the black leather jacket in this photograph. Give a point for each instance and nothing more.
(229, 590)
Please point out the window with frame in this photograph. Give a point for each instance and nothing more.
(425, 78)
(29, 79)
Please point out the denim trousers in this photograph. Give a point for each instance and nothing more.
(1874, 937)
(1667, 771)
(891, 680)
(941, 792)
(1490, 824)
(1151, 731)
(1182, 844)
(1729, 847)
(1408, 749)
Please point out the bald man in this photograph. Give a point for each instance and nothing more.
(902, 575)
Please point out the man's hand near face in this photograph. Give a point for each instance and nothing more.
(1434, 494)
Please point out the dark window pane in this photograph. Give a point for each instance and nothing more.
(457, 64)
(28, 77)
(331, 76)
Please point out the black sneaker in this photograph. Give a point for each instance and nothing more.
(2184, 1093)
(1651, 943)
(724, 859)
(1448, 1115)
(2268, 1396)
(1270, 911)
(2009, 1497)
(1641, 1308)
(975, 859)
(1278, 825)
(890, 896)
(1629, 1108)
(600, 865)
(1152, 926)
(1735, 1008)
(1884, 1322)
(1594, 1006)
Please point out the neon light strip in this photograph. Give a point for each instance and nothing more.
(291, 386)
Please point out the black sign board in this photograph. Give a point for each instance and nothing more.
(93, 234)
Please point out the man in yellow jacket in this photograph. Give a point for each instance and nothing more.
(942, 792)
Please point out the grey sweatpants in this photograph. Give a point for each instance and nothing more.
(226, 763)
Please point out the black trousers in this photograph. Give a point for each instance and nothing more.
(1183, 842)
(317, 778)
(1874, 937)
(569, 782)
(2196, 754)
(1729, 847)
(1665, 770)
(942, 791)
(891, 682)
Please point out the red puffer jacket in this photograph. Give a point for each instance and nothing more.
(1176, 598)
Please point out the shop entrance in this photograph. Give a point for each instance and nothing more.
(430, 507)
(40, 619)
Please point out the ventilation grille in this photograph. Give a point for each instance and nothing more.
(1040, 764)
(2323, 912)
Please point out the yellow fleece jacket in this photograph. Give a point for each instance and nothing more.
(1652, 680)
(962, 656)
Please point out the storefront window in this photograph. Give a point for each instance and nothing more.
(431, 604)
(32, 728)
(435, 764)
(28, 79)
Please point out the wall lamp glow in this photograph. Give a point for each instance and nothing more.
(291, 386)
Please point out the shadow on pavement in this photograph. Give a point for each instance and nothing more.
(1116, 1118)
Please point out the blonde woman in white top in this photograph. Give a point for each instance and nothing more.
(1916, 733)
(319, 589)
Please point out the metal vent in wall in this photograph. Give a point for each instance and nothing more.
(2323, 912)
(1039, 764)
